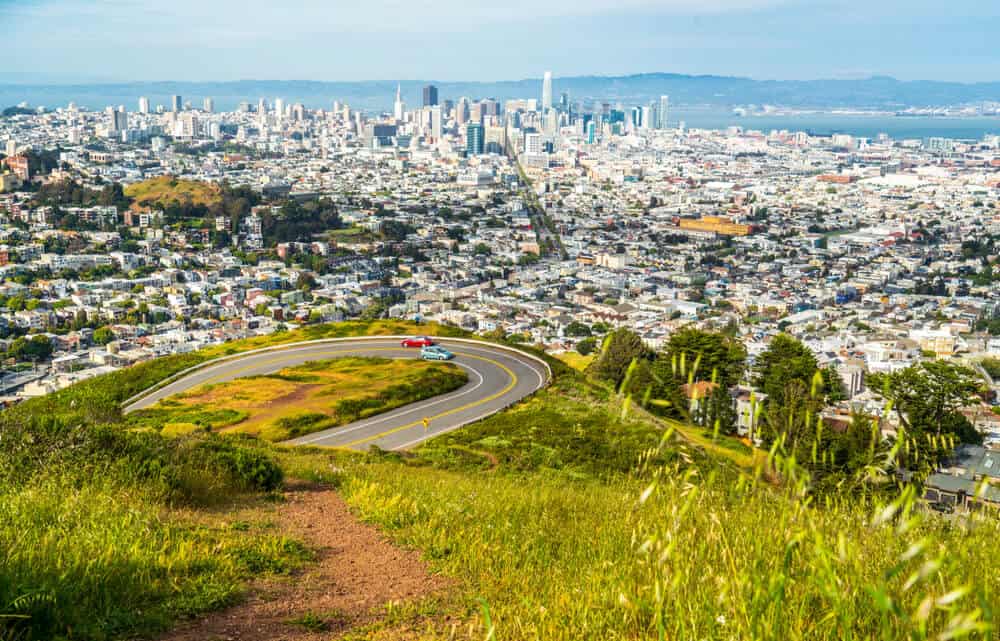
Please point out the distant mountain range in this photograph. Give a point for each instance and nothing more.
(876, 93)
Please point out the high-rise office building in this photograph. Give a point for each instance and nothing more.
(661, 113)
(143, 105)
(262, 106)
(208, 105)
(11, 149)
(435, 122)
(635, 118)
(591, 132)
(647, 116)
(462, 111)
(532, 142)
(279, 108)
(117, 121)
(547, 91)
(430, 96)
(474, 139)
(490, 107)
(551, 123)
(397, 106)
(175, 104)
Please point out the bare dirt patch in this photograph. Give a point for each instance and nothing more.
(357, 574)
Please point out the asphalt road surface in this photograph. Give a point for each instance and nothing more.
(497, 379)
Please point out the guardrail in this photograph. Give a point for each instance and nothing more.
(319, 341)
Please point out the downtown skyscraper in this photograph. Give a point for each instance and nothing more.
(398, 107)
(430, 96)
(474, 142)
(662, 111)
(547, 92)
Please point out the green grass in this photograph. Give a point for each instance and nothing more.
(97, 561)
(701, 558)
(110, 531)
(570, 428)
(564, 518)
(314, 622)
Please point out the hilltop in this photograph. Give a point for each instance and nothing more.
(573, 515)
(160, 192)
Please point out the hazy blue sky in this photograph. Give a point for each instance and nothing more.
(475, 39)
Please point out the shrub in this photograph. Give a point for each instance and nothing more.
(620, 348)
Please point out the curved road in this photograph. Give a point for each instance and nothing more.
(498, 378)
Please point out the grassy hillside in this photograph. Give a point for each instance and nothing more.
(112, 532)
(570, 516)
(160, 191)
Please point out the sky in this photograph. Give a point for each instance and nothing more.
(199, 40)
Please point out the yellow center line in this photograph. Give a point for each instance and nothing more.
(510, 386)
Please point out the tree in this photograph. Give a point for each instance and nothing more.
(793, 420)
(639, 383)
(586, 346)
(103, 335)
(785, 360)
(375, 310)
(926, 395)
(307, 282)
(717, 411)
(719, 358)
(620, 348)
(833, 385)
(577, 328)
(37, 347)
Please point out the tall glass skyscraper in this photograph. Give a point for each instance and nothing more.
(474, 139)
(661, 113)
(430, 96)
(547, 92)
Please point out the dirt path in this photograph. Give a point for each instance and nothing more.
(356, 574)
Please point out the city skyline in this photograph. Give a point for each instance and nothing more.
(764, 39)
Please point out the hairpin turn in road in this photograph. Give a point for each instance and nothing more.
(498, 378)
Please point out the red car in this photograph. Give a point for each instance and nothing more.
(417, 341)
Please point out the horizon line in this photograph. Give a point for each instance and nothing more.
(108, 82)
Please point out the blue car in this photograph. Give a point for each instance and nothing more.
(435, 353)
